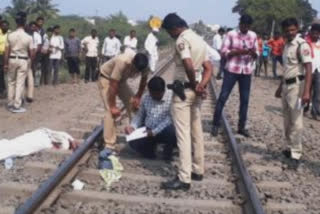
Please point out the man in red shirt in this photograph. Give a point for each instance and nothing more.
(277, 45)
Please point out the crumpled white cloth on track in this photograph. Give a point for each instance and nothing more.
(34, 141)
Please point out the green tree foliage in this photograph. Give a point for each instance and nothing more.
(34, 8)
(265, 12)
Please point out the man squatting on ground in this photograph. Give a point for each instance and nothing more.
(154, 113)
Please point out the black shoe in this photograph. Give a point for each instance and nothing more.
(244, 132)
(219, 77)
(196, 177)
(175, 184)
(215, 131)
(29, 100)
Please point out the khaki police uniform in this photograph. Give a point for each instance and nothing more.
(296, 53)
(187, 114)
(20, 43)
(118, 68)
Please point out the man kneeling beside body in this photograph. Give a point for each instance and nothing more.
(154, 113)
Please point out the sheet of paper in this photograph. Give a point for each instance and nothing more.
(137, 134)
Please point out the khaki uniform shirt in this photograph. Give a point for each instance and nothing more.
(120, 67)
(293, 66)
(20, 43)
(190, 45)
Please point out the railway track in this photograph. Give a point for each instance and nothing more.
(227, 187)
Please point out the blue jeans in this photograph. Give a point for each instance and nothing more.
(276, 59)
(229, 80)
(147, 146)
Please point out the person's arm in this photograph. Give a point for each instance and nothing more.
(140, 116)
(104, 47)
(254, 53)
(142, 85)
(308, 82)
(61, 47)
(306, 56)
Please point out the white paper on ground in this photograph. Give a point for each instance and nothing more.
(78, 185)
(33, 142)
(137, 134)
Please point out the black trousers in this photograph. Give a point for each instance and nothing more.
(45, 69)
(2, 82)
(73, 65)
(91, 69)
(147, 146)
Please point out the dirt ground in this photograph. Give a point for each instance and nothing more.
(53, 108)
(265, 123)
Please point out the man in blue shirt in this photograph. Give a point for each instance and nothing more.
(154, 114)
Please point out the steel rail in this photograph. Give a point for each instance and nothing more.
(46, 188)
(254, 204)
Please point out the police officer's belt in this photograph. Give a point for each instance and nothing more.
(19, 57)
(104, 76)
(294, 80)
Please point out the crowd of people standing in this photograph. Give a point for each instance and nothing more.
(50, 49)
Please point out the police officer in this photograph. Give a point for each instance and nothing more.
(18, 52)
(295, 86)
(113, 82)
(194, 69)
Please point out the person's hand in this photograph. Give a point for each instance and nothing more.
(128, 130)
(305, 98)
(278, 93)
(115, 112)
(135, 102)
(200, 89)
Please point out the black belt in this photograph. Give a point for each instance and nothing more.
(19, 57)
(104, 76)
(294, 80)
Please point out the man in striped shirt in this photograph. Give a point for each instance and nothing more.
(240, 47)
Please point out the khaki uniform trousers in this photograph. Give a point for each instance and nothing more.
(17, 73)
(293, 118)
(187, 121)
(125, 94)
(30, 82)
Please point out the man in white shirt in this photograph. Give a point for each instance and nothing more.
(90, 46)
(217, 44)
(131, 41)
(56, 48)
(151, 45)
(111, 46)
